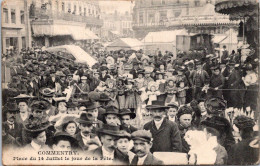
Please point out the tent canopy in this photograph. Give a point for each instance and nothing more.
(126, 43)
(77, 32)
(79, 54)
(163, 36)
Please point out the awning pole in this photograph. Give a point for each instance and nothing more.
(244, 30)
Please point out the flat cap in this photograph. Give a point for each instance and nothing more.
(143, 135)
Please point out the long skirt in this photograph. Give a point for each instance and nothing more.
(121, 101)
(251, 96)
(131, 101)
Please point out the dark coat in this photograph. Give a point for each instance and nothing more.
(16, 132)
(104, 78)
(235, 97)
(119, 157)
(150, 160)
(242, 154)
(130, 129)
(80, 141)
(167, 138)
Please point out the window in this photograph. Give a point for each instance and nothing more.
(84, 11)
(13, 19)
(163, 2)
(141, 18)
(23, 42)
(7, 41)
(22, 16)
(63, 6)
(80, 10)
(151, 18)
(75, 9)
(197, 2)
(152, 3)
(89, 12)
(5, 13)
(163, 15)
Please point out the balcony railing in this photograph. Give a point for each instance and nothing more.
(56, 15)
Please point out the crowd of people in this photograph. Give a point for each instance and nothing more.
(130, 106)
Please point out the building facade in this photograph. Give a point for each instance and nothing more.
(14, 26)
(197, 16)
(57, 22)
(116, 25)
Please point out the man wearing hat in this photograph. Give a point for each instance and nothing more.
(125, 116)
(48, 94)
(234, 81)
(10, 125)
(86, 139)
(216, 83)
(143, 142)
(108, 135)
(83, 86)
(166, 135)
(224, 55)
(198, 79)
(22, 101)
(172, 112)
(93, 108)
(245, 152)
(104, 76)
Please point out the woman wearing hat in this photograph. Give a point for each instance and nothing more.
(62, 141)
(251, 96)
(243, 152)
(35, 129)
(67, 124)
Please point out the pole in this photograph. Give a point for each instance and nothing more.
(244, 30)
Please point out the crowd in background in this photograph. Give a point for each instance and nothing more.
(130, 105)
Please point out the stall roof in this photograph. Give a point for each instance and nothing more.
(218, 38)
(163, 36)
(126, 43)
(80, 55)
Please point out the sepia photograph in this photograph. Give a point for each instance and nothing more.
(130, 82)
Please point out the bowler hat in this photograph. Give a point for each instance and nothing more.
(91, 105)
(142, 135)
(11, 107)
(125, 111)
(85, 118)
(157, 105)
(111, 110)
(109, 129)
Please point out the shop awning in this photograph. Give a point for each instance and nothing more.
(218, 38)
(237, 8)
(77, 32)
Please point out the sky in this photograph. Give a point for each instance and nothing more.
(109, 6)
